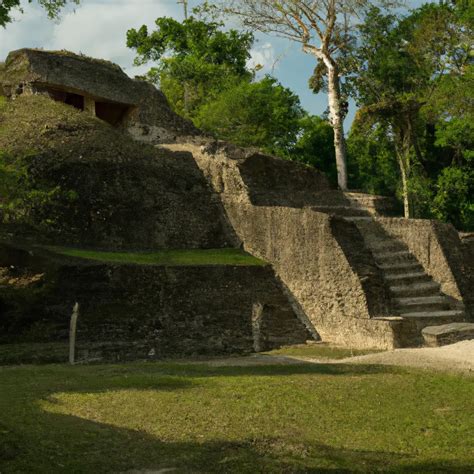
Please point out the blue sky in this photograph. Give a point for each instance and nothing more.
(98, 27)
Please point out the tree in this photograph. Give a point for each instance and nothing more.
(371, 154)
(202, 70)
(315, 146)
(401, 64)
(453, 200)
(195, 59)
(263, 114)
(53, 7)
(322, 27)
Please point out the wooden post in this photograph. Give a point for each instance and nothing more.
(72, 333)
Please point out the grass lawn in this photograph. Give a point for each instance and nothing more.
(166, 257)
(260, 419)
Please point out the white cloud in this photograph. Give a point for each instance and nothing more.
(263, 56)
(32, 29)
(97, 28)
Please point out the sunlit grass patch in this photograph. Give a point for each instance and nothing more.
(226, 256)
(196, 418)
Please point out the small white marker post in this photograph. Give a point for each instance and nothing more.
(72, 333)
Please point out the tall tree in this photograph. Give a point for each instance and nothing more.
(53, 7)
(195, 60)
(315, 146)
(202, 69)
(401, 64)
(322, 27)
(263, 114)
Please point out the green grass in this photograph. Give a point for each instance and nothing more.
(321, 351)
(166, 257)
(261, 419)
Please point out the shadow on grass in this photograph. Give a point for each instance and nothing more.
(37, 441)
(203, 369)
(64, 443)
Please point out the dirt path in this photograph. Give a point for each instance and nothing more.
(453, 358)
(457, 357)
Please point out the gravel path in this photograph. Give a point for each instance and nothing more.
(457, 357)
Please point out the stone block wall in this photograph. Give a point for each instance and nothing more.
(150, 119)
(438, 248)
(332, 276)
(146, 312)
(104, 189)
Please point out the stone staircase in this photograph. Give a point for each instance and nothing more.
(353, 204)
(415, 296)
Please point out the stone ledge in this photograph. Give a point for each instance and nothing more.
(436, 336)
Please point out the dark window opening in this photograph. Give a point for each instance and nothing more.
(111, 112)
(68, 98)
(75, 100)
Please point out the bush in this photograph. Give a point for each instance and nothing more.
(453, 200)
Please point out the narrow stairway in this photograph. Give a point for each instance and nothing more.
(414, 294)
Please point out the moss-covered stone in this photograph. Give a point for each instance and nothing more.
(130, 311)
(81, 181)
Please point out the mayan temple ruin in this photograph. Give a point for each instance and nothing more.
(335, 266)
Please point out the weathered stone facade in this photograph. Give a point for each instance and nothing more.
(340, 268)
(440, 251)
(116, 193)
(144, 311)
(326, 261)
(99, 87)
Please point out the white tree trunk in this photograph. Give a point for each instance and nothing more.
(405, 193)
(337, 122)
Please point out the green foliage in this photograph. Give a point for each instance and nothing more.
(457, 134)
(25, 200)
(415, 87)
(371, 156)
(202, 70)
(192, 38)
(451, 108)
(315, 146)
(195, 59)
(53, 7)
(453, 201)
(263, 114)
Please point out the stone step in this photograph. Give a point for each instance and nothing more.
(385, 245)
(430, 288)
(421, 304)
(341, 210)
(450, 313)
(401, 268)
(358, 219)
(436, 336)
(394, 257)
(399, 279)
